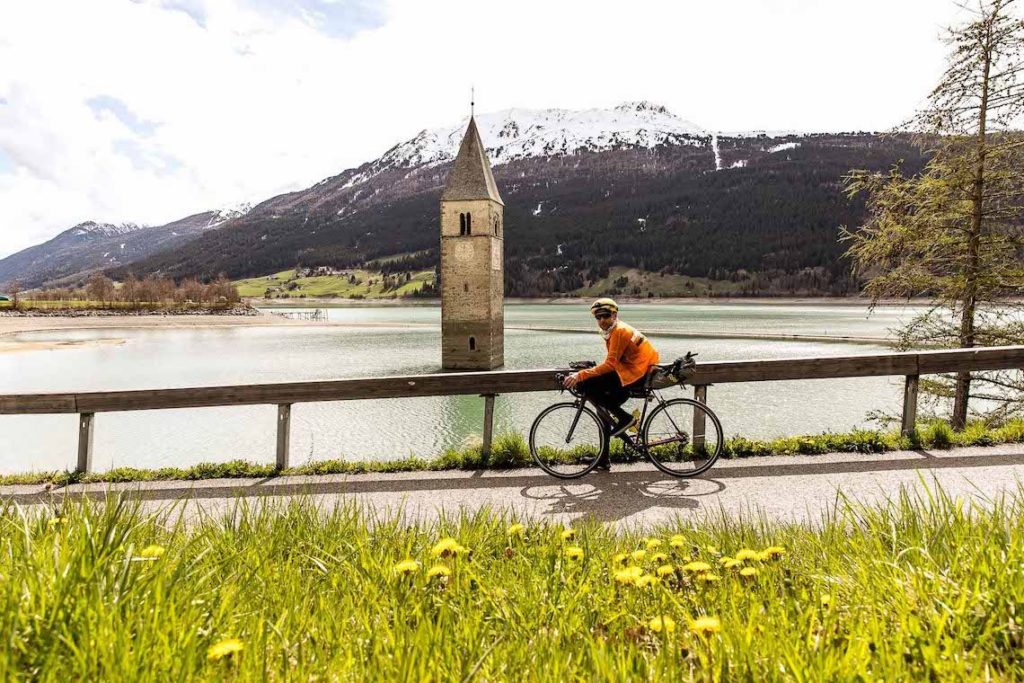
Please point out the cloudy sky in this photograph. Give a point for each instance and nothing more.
(149, 110)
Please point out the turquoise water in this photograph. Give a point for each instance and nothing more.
(376, 341)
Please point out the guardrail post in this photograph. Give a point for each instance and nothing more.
(85, 422)
(910, 405)
(284, 432)
(488, 423)
(700, 394)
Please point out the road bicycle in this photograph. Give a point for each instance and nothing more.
(682, 437)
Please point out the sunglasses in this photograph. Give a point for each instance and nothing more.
(603, 316)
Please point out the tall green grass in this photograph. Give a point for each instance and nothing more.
(918, 589)
(511, 450)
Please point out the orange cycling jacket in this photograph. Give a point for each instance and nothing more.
(630, 355)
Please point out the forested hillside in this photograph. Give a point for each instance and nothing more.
(766, 220)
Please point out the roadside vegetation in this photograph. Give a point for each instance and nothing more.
(511, 450)
(924, 587)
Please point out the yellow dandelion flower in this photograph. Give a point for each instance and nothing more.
(628, 576)
(152, 552)
(747, 554)
(677, 542)
(638, 555)
(708, 577)
(732, 564)
(54, 522)
(659, 558)
(620, 558)
(647, 581)
(406, 567)
(448, 547)
(762, 556)
(574, 552)
(568, 534)
(666, 570)
(438, 571)
(659, 624)
(696, 566)
(652, 543)
(516, 531)
(826, 600)
(774, 552)
(748, 572)
(224, 648)
(706, 625)
(711, 549)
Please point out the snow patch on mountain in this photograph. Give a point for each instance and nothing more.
(782, 147)
(93, 229)
(228, 213)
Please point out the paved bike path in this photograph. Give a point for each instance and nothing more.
(780, 488)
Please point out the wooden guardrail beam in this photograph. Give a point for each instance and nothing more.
(505, 382)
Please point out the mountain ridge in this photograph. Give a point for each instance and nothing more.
(568, 176)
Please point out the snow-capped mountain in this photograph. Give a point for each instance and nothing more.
(515, 134)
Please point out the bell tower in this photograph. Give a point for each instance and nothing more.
(472, 262)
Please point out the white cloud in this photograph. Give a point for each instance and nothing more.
(241, 100)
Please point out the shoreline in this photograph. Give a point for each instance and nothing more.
(339, 302)
(12, 325)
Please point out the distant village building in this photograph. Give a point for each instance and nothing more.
(472, 262)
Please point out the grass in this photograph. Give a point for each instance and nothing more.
(511, 450)
(924, 587)
(286, 285)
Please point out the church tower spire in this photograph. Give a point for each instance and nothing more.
(471, 176)
(472, 261)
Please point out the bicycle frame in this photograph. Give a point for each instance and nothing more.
(651, 395)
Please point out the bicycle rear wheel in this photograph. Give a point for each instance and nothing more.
(566, 440)
(682, 437)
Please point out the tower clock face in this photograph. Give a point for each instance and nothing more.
(463, 251)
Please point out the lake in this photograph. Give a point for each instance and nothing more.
(387, 340)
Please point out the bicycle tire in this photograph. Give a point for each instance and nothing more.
(712, 456)
(584, 468)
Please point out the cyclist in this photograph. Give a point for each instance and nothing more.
(630, 356)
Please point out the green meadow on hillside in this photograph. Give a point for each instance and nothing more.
(353, 284)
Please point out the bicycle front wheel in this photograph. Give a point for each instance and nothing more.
(682, 437)
(566, 440)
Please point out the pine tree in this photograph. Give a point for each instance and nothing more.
(954, 233)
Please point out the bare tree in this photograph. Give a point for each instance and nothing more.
(955, 233)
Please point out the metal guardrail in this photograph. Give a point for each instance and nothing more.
(910, 365)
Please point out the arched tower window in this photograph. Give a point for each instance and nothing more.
(472, 343)
(462, 224)
(495, 225)
(469, 224)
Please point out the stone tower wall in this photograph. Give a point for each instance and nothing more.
(472, 286)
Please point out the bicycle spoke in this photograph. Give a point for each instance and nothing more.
(566, 440)
(673, 447)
